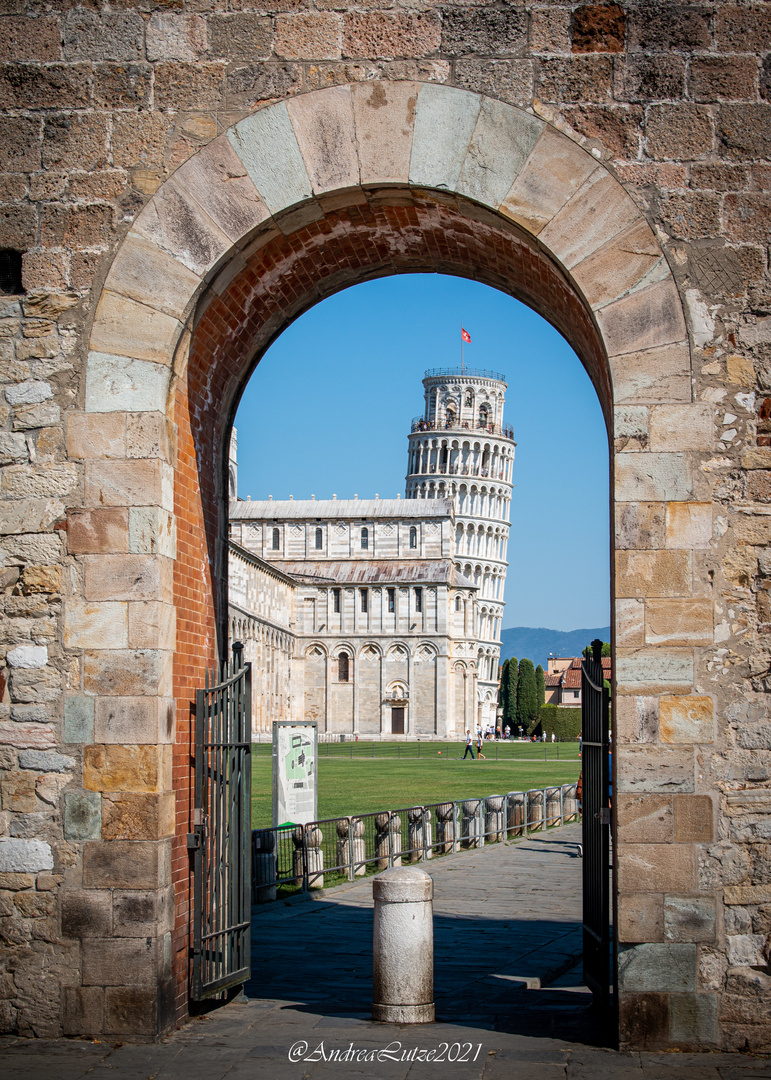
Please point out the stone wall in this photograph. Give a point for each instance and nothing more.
(110, 576)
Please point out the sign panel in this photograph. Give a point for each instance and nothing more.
(295, 796)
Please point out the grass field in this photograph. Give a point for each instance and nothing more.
(352, 781)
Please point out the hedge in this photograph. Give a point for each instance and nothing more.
(564, 721)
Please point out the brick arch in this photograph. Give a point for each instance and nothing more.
(297, 201)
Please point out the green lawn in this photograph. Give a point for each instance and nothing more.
(352, 781)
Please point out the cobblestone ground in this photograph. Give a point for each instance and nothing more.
(509, 994)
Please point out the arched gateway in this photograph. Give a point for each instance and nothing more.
(295, 202)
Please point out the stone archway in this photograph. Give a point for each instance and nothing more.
(295, 202)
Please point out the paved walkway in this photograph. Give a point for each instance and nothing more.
(509, 999)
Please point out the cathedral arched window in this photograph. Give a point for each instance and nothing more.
(343, 667)
(413, 536)
(364, 539)
(458, 604)
(319, 539)
(276, 539)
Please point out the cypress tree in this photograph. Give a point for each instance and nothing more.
(540, 686)
(504, 686)
(527, 694)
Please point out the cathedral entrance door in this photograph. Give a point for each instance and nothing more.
(397, 720)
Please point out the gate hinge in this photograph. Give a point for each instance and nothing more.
(193, 841)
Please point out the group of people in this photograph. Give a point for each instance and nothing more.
(495, 733)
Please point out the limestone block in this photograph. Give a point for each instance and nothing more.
(122, 384)
(29, 392)
(694, 818)
(601, 208)
(266, 144)
(644, 819)
(172, 36)
(654, 769)
(686, 719)
(83, 1011)
(653, 574)
(643, 1020)
(656, 868)
(324, 129)
(619, 265)
(138, 817)
(95, 626)
(445, 119)
(133, 1011)
(682, 427)
(745, 950)
(630, 622)
(753, 529)
(693, 1019)
(30, 515)
(643, 320)
(152, 531)
(678, 622)
(86, 913)
(30, 685)
(384, 115)
(39, 480)
(689, 918)
(152, 626)
(139, 914)
(96, 435)
(501, 142)
(174, 222)
(126, 672)
(24, 856)
(98, 531)
(42, 761)
(134, 720)
(82, 815)
(746, 895)
(32, 548)
(149, 435)
(27, 656)
(639, 524)
(127, 577)
(688, 525)
(36, 736)
(18, 791)
(145, 273)
(119, 961)
(309, 36)
(640, 917)
(657, 967)
(127, 864)
(554, 172)
(652, 477)
(42, 579)
(34, 714)
(218, 181)
(127, 768)
(124, 327)
(78, 719)
(637, 719)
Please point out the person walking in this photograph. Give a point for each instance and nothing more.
(479, 746)
(469, 746)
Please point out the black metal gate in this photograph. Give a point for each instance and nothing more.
(221, 837)
(595, 761)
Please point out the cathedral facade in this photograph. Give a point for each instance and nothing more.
(383, 617)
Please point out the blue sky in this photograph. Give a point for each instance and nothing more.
(329, 407)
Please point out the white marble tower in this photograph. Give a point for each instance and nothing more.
(460, 450)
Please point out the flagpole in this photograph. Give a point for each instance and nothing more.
(461, 350)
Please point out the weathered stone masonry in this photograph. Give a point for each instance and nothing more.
(183, 179)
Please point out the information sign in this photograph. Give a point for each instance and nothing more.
(295, 797)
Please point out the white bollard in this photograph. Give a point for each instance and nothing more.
(403, 943)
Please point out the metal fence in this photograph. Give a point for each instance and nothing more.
(298, 858)
(332, 746)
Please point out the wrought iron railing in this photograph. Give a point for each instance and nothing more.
(299, 858)
(419, 423)
(463, 372)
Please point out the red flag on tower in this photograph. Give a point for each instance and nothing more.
(465, 335)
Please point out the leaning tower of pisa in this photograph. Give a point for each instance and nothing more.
(460, 449)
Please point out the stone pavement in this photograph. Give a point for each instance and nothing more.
(509, 999)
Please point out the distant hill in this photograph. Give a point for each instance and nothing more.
(536, 642)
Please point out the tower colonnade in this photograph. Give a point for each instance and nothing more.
(460, 449)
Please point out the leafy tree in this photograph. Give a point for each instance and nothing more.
(540, 686)
(605, 649)
(527, 694)
(512, 678)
